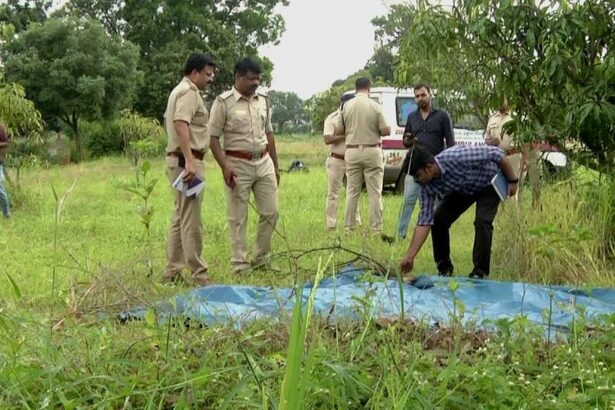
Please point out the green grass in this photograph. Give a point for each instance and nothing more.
(61, 350)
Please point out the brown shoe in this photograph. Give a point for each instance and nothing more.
(201, 280)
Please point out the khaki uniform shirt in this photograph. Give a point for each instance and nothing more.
(361, 120)
(329, 129)
(244, 122)
(186, 104)
(494, 130)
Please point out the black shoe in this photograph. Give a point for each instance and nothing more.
(476, 275)
(445, 269)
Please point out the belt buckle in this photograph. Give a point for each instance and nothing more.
(256, 155)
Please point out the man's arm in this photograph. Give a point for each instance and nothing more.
(333, 139)
(274, 155)
(383, 125)
(340, 126)
(509, 172)
(4, 143)
(420, 234)
(330, 136)
(228, 173)
(447, 130)
(183, 132)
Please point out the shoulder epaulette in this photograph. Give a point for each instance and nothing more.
(226, 94)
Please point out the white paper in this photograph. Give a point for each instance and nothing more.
(193, 188)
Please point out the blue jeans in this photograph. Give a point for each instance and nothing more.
(4, 198)
(411, 194)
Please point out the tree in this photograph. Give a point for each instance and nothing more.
(72, 69)
(168, 31)
(23, 123)
(20, 14)
(552, 60)
(287, 113)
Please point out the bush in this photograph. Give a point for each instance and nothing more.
(101, 138)
(121, 135)
(141, 136)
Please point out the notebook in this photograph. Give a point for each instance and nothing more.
(500, 184)
(193, 188)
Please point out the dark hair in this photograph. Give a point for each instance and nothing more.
(362, 83)
(197, 61)
(422, 85)
(246, 65)
(419, 159)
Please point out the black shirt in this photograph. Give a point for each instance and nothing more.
(432, 132)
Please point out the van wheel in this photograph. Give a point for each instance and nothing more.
(400, 183)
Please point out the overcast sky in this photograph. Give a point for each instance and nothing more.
(325, 40)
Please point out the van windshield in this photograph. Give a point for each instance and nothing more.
(404, 106)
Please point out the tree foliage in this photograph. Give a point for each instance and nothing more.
(167, 31)
(23, 123)
(287, 113)
(20, 14)
(552, 60)
(72, 69)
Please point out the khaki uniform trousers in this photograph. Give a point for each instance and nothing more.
(516, 162)
(364, 164)
(257, 177)
(185, 238)
(336, 169)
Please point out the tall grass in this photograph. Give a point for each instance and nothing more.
(302, 362)
(566, 238)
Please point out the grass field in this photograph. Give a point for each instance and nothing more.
(63, 279)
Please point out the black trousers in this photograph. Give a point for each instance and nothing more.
(448, 211)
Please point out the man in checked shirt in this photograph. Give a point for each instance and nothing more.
(461, 176)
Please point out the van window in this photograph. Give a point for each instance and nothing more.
(404, 106)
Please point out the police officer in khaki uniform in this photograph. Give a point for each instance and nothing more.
(363, 123)
(496, 136)
(188, 139)
(336, 165)
(248, 161)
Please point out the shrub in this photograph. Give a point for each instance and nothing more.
(130, 133)
(101, 138)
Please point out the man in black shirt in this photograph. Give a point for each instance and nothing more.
(430, 128)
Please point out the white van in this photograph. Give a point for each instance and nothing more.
(397, 103)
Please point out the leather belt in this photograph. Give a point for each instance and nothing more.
(338, 156)
(363, 145)
(197, 154)
(248, 155)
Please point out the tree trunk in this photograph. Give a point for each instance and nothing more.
(75, 126)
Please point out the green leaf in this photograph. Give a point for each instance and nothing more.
(14, 285)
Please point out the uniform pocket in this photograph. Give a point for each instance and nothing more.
(239, 121)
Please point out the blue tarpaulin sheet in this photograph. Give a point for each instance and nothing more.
(352, 294)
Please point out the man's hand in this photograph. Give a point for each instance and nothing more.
(408, 140)
(230, 176)
(407, 264)
(277, 176)
(512, 188)
(189, 170)
(492, 141)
